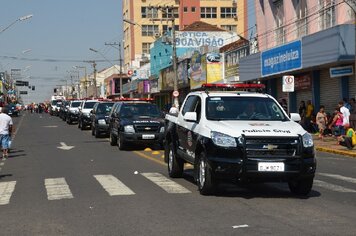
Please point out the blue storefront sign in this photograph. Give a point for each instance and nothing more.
(281, 59)
(341, 71)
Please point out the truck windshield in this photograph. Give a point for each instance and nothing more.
(243, 108)
(75, 104)
(104, 108)
(89, 105)
(140, 110)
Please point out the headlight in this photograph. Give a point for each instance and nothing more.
(129, 129)
(223, 140)
(161, 129)
(101, 122)
(307, 140)
(87, 114)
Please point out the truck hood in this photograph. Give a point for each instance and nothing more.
(256, 128)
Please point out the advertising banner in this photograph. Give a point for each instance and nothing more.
(197, 70)
(213, 67)
(281, 59)
(196, 39)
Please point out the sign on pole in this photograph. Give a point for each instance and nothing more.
(288, 83)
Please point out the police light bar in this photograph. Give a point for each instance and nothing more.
(232, 87)
(135, 99)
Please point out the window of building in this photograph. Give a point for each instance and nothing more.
(149, 30)
(228, 12)
(149, 12)
(208, 12)
(302, 20)
(170, 13)
(232, 28)
(167, 28)
(146, 48)
(279, 18)
(193, 9)
(327, 14)
(185, 9)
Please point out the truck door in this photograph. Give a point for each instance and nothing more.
(187, 130)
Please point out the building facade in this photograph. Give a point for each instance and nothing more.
(311, 40)
(150, 19)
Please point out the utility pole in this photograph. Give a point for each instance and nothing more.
(170, 10)
(94, 66)
(120, 61)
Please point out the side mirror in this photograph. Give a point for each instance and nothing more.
(295, 117)
(190, 116)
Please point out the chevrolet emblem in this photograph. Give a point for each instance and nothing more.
(147, 128)
(270, 147)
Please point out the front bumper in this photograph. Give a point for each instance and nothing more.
(234, 163)
(102, 128)
(86, 121)
(73, 117)
(142, 137)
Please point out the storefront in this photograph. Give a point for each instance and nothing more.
(321, 63)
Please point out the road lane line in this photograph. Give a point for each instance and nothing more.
(57, 188)
(113, 186)
(150, 158)
(166, 184)
(339, 177)
(6, 190)
(333, 187)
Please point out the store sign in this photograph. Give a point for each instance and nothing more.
(196, 39)
(302, 82)
(281, 59)
(341, 71)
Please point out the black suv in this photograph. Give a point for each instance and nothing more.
(100, 118)
(135, 122)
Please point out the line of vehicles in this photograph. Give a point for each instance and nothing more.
(228, 133)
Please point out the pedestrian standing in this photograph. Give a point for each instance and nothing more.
(346, 116)
(309, 116)
(321, 121)
(6, 126)
(353, 113)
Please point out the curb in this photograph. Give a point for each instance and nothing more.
(340, 152)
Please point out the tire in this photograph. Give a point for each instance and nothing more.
(92, 131)
(301, 186)
(120, 142)
(175, 165)
(96, 133)
(206, 181)
(113, 139)
(79, 124)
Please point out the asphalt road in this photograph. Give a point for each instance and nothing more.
(87, 187)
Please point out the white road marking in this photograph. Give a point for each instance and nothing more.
(166, 184)
(333, 187)
(6, 189)
(339, 177)
(1, 164)
(57, 188)
(239, 226)
(113, 186)
(50, 126)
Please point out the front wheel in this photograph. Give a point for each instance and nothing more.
(120, 142)
(206, 181)
(96, 133)
(175, 165)
(301, 186)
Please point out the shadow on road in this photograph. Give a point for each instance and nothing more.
(6, 175)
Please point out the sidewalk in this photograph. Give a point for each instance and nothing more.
(329, 144)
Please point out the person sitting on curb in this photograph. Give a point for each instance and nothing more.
(348, 140)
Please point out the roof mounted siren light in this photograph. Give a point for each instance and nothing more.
(255, 87)
(135, 99)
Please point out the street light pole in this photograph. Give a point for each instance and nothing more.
(175, 81)
(22, 18)
(120, 61)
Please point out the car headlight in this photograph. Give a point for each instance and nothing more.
(223, 140)
(101, 122)
(129, 129)
(161, 129)
(87, 114)
(307, 140)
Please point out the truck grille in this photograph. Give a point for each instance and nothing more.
(147, 128)
(269, 147)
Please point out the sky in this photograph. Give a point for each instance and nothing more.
(56, 38)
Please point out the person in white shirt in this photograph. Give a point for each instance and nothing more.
(345, 114)
(5, 131)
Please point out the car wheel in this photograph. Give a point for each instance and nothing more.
(175, 165)
(113, 139)
(206, 182)
(82, 127)
(96, 133)
(120, 142)
(79, 124)
(301, 186)
(92, 131)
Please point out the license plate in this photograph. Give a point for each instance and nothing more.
(271, 166)
(148, 136)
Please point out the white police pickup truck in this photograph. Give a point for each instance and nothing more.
(240, 136)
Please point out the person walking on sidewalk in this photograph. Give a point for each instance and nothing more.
(5, 131)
